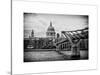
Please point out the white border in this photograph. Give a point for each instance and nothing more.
(19, 67)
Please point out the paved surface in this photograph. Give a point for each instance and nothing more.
(32, 56)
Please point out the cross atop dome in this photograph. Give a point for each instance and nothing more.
(50, 23)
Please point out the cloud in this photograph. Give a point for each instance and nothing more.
(40, 22)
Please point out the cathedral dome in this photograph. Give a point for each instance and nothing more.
(51, 28)
(50, 31)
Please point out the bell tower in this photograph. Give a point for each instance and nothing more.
(32, 33)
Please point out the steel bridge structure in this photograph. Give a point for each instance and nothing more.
(74, 37)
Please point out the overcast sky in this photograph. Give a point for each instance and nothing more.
(40, 22)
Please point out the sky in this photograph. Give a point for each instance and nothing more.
(39, 22)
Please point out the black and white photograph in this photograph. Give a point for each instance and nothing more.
(55, 37)
(52, 37)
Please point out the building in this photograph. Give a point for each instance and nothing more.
(50, 31)
(32, 34)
